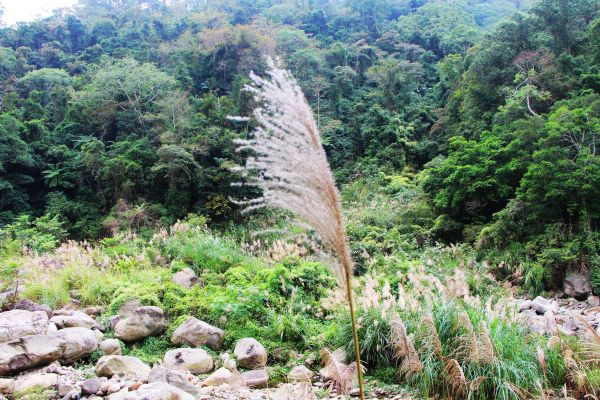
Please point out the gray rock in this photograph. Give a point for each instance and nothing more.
(91, 386)
(187, 278)
(197, 361)
(173, 378)
(80, 343)
(300, 374)
(219, 377)
(111, 347)
(525, 305)
(542, 305)
(37, 380)
(93, 311)
(153, 391)
(129, 307)
(7, 386)
(124, 366)
(76, 320)
(29, 351)
(577, 285)
(257, 378)
(198, 333)
(250, 353)
(15, 324)
(140, 323)
(28, 305)
(68, 390)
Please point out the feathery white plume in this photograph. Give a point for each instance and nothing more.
(288, 163)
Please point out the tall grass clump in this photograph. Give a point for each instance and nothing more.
(288, 163)
(444, 341)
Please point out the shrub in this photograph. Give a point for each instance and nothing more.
(42, 234)
(374, 337)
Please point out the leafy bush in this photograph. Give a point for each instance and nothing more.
(40, 234)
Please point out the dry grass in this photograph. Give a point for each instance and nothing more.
(341, 376)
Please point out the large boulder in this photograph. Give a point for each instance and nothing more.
(577, 285)
(77, 319)
(30, 351)
(258, 378)
(187, 278)
(80, 343)
(153, 391)
(140, 323)
(198, 333)
(173, 378)
(124, 366)
(250, 353)
(15, 324)
(197, 361)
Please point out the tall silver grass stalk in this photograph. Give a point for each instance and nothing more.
(288, 163)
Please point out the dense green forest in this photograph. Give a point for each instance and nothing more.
(115, 116)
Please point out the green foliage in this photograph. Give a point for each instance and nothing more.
(35, 393)
(41, 234)
(151, 350)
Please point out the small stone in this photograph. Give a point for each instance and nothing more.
(7, 385)
(197, 361)
(43, 381)
(111, 347)
(113, 388)
(28, 305)
(140, 323)
(198, 333)
(173, 378)
(250, 353)
(154, 391)
(257, 378)
(76, 320)
(93, 311)
(65, 389)
(187, 278)
(125, 366)
(217, 378)
(299, 374)
(129, 307)
(91, 386)
(525, 305)
(541, 305)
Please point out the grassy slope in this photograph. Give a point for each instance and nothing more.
(466, 341)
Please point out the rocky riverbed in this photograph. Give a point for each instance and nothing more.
(39, 346)
(46, 353)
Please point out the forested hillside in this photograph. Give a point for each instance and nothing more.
(116, 114)
(464, 136)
